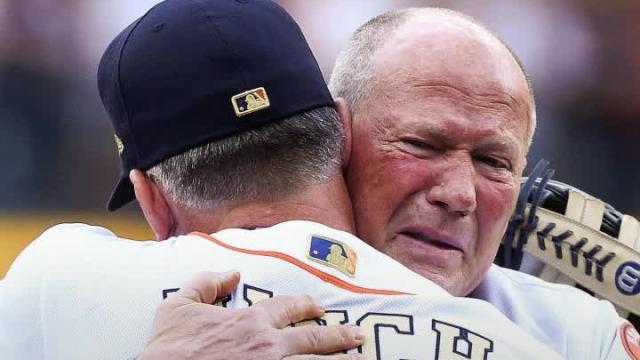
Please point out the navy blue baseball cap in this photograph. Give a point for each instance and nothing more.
(192, 71)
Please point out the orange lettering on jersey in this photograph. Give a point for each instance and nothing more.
(630, 340)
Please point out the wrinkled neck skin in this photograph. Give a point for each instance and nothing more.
(327, 203)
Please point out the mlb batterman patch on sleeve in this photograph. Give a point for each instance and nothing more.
(333, 253)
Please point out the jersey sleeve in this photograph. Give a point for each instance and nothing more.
(21, 295)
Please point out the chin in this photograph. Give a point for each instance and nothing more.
(450, 281)
(444, 272)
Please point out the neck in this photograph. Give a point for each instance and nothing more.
(327, 203)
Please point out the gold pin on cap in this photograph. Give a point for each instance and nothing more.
(250, 101)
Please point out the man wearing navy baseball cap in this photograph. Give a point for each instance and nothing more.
(215, 104)
(189, 73)
(230, 142)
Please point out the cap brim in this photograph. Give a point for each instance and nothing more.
(122, 194)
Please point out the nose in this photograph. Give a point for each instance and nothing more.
(454, 189)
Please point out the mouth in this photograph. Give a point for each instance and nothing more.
(433, 238)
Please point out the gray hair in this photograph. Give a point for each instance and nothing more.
(264, 163)
(353, 76)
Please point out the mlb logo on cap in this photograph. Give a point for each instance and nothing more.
(250, 101)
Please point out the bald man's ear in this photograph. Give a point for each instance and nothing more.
(154, 205)
(345, 115)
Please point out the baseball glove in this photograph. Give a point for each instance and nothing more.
(579, 239)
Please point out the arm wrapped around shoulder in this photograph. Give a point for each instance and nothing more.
(578, 238)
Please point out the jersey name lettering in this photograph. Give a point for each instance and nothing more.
(457, 343)
(452, 342)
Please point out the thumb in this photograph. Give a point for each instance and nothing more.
(206, 287)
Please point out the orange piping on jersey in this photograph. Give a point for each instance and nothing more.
(322, 275)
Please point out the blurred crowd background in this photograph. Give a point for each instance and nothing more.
(60, 160)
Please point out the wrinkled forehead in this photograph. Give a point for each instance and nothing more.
(451, 51)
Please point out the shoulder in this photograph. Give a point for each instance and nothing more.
(310, 244)
(68, 233)
(556, 313)
(74, 231)
(21, 290)
(84, 237)
(526, 298)
(54, 240)
(63, 245)
(518, 284)
(507, 286)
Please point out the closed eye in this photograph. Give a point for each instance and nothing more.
(420, 144)
(494, 162)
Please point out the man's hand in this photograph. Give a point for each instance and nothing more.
(188, 327)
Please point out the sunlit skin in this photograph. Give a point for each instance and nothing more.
(438, 150)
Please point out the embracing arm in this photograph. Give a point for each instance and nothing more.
(186, 326)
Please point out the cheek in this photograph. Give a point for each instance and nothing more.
(378, 183)
(495, 205)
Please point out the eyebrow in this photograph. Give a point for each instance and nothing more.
(504, 144)
(441, 136)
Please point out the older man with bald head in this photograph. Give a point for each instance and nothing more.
(442, 118)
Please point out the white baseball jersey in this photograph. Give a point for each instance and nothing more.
(80, 292)
(573, 323)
